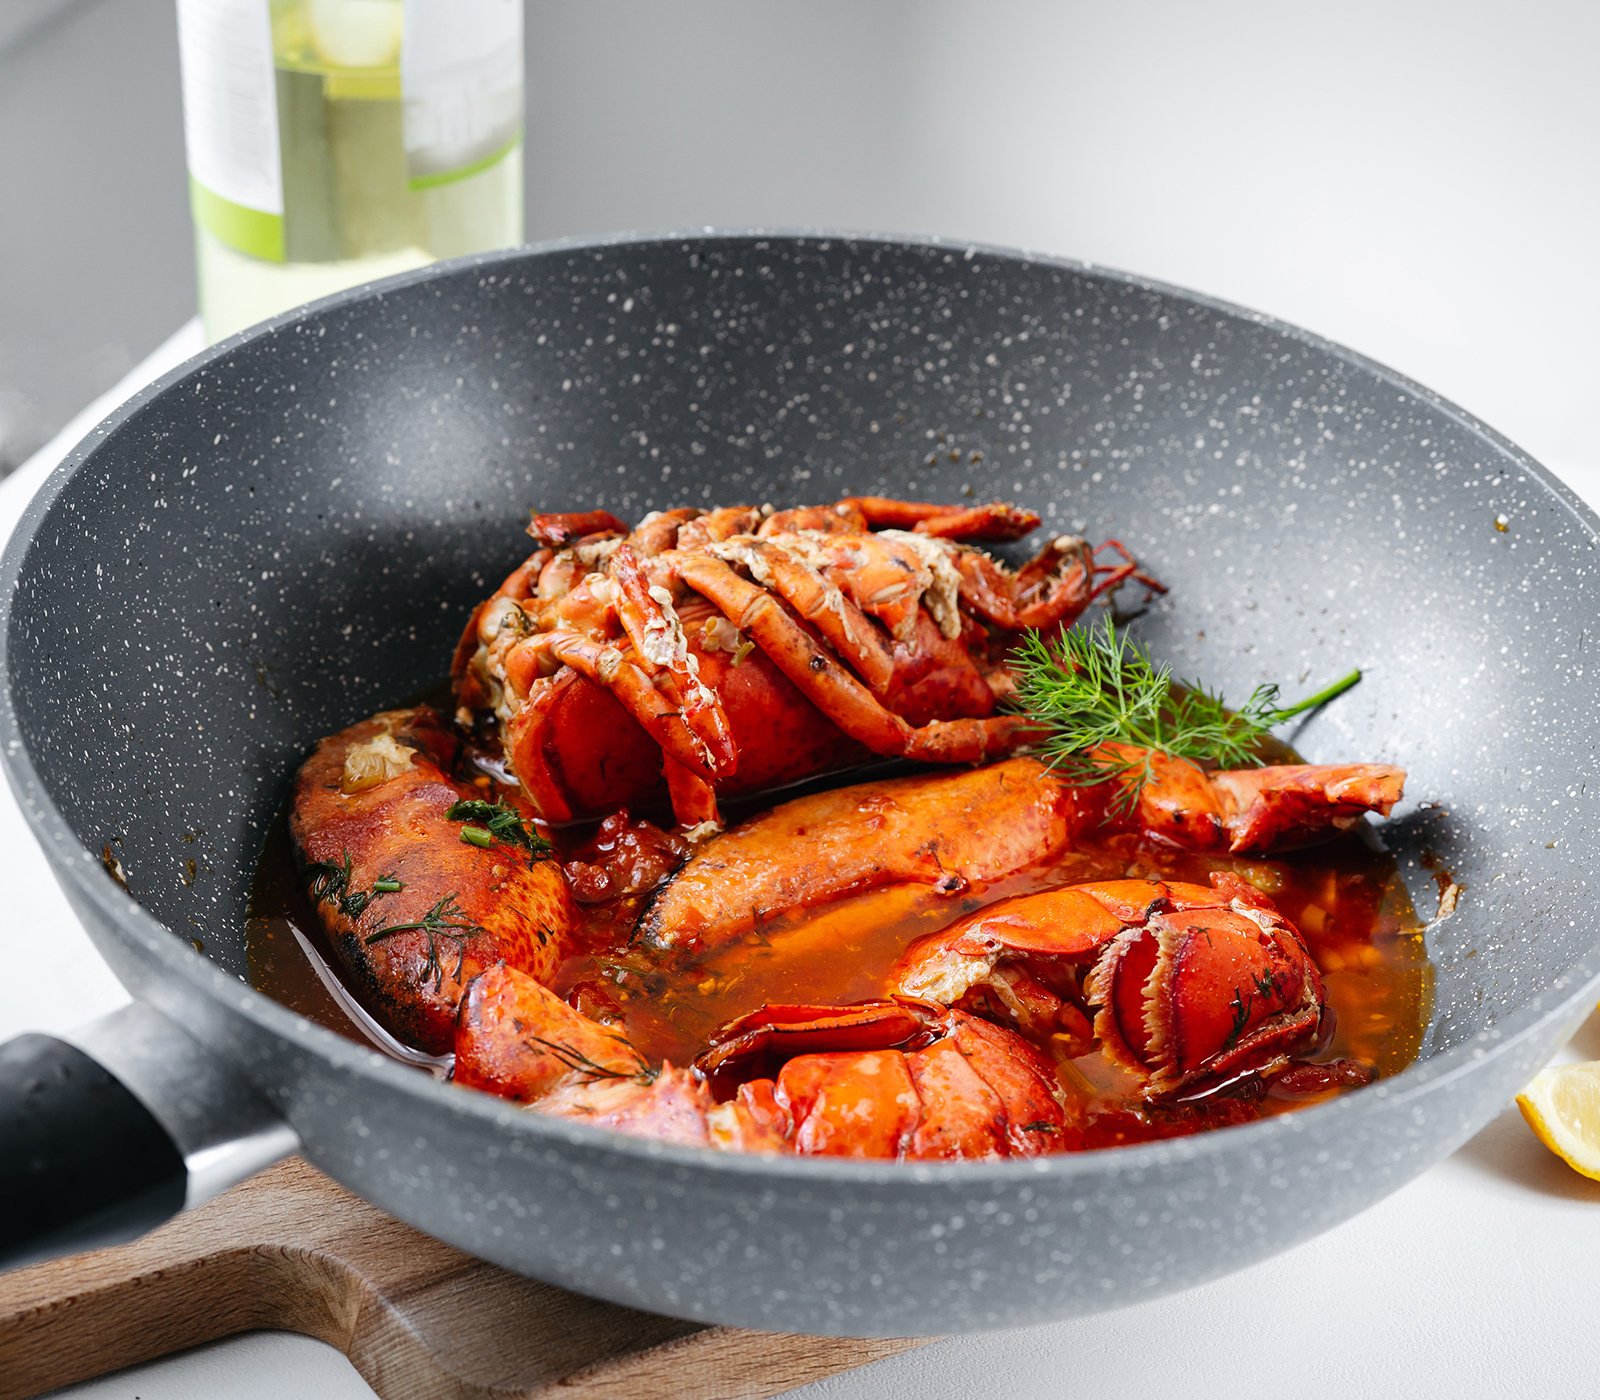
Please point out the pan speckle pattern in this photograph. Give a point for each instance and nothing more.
(290, 532)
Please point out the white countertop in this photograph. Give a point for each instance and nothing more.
(1480, 1278)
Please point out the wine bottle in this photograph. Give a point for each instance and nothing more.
(331, 142)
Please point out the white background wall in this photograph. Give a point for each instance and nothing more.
(1416, 178)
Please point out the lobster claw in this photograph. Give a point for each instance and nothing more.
(1274, 808)
(1189, 984)
(757, 1045)
(1204, 992)
(885, 1079)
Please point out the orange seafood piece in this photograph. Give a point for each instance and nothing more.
(756, 1045)
(879, 626)
(918, 1082)
(1187, 985)
(951, 830)
(938, 1085)
(1256, 809)
(850, 1104)
(580, 752)
(412, 911)
(671, 1106)
(946, 830)
(520, 1041)
(1274, 808)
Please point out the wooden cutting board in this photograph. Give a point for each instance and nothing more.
(290, 1250)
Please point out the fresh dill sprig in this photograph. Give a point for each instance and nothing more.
(498, 821)
(327, 881)
(446, 919)
(592, 1070)
(1099, 687)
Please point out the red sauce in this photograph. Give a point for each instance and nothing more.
(1345, 898)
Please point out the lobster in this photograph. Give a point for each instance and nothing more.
(729, 652)
(1194, 986)
(901, 1079)
(421, 884)
(1197, 989)
(413, 910)
(948, 832)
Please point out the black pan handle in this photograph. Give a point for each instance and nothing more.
(109, 1131)
(83, 1162)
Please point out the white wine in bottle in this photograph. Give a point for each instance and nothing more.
(334, 141)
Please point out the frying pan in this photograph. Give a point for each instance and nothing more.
(287, 533)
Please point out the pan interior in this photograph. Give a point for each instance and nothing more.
(293, 534)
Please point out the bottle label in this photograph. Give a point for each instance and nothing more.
(458, 83)
(230, 123)
(461, 85)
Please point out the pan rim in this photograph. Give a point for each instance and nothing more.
(129, 919)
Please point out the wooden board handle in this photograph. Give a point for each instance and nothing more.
(292, 1251)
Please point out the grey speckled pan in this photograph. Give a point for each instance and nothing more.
(288, 532)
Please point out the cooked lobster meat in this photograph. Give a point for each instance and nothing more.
(415, 907)
(915, 1080)
(1184, 984)
(1024, 958)
(413, 911)
(950, 830)
(944, 831)
(729, 652)
(1271, 808)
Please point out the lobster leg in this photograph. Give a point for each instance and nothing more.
(604, 663)
(831, 688)
(820, 603)
(658, 531)
(1129, 568)
(998, 520)
(1062, 571)
(718, 525)
(885, 575)
(652, 625)
(1051, 590)
(559, 530)
(694, 801)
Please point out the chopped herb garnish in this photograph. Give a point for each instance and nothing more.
(328, 882)
(1266, 986)
(592, 1070)
(498, 821)
(445, 920)
(1093, 688)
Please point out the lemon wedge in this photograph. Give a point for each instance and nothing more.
(1562, 1106)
